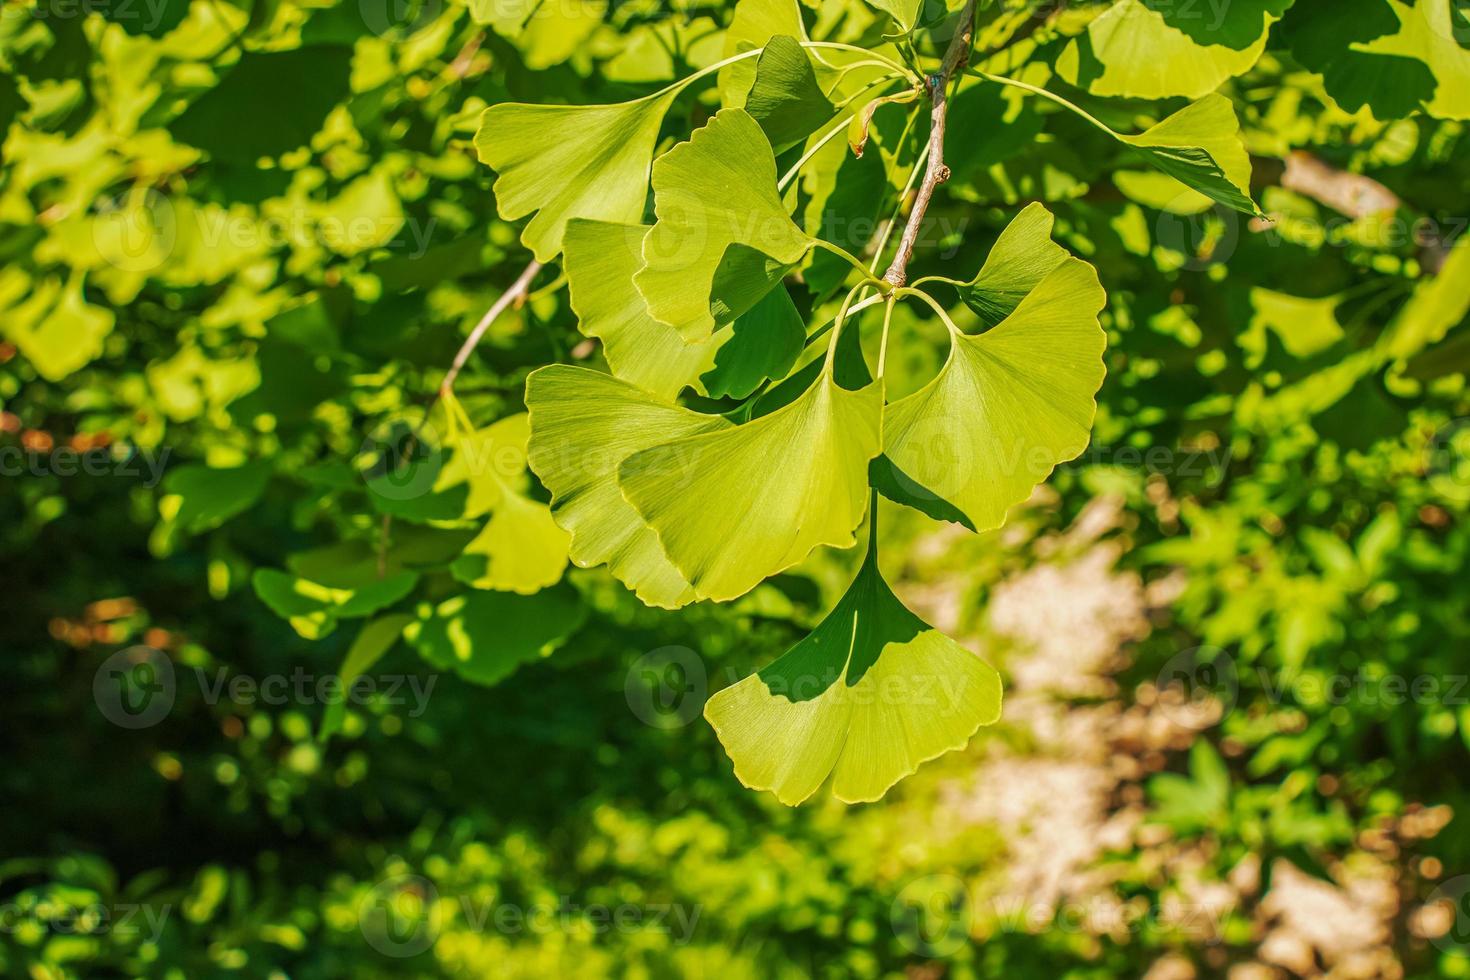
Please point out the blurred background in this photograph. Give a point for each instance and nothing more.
(248, 234)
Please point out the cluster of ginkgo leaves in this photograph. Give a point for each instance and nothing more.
(732, 438)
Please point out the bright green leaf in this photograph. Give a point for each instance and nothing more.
(872, 694)
(1020, 259)
(716, 190)
(564, 162)
(601, 259)
(1009, 404)
(785, 99)
(734, 506)
(584, 424)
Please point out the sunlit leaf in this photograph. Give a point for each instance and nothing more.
(485, 636)
(1136, 50)
(736, 505)
(1020, 259)
(584, 424)
(785, 98)
(873, 693)
(1009, 404)
(716, 190)
(565, 162)
(601, 258)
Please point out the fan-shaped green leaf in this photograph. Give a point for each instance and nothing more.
(313, 608)
(520, 549)
(485, 636)
(734, 506)
(1335, 38)
(564, 162)
(1009, 404)
(1200, 147)
(767, 339)
(785, 99)
(1135, 50)
(716, 190)
(601, 258)
(584, 424)
(755, 22)
(868, 697)
(1020, 259)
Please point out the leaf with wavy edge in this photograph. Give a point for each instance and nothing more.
(1020, 259)
(584, 424)
(520, 548)
(869, 696)
(564, 162)
(601, 259)
(1134, 51)
(713, 191)
(1009, 404)
(734, 506)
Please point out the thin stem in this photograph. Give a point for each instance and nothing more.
(935, 173)
(883, 344)
(933, 305)
(854, 261)
(903, 70)
(872, 56)
(515, 293)
(837, 326)
(857, 307)
(1037, 90)
(827, 137)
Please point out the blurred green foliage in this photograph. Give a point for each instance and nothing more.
(243, 242)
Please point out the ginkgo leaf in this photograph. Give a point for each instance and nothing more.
(601, 258)
(868, 697)
(584, 424)
(313, 609)
(755, 22)
(766, 341)
(485, 636)
(490, 463)
(905, 13)
(1436, 34)
(1133, 50)
(716, 190)
(1338, 40)
(564, 162)
(1020, 259)
(520, 549)
(785, 98)
(1200, 146)
(1009, 404)
(734, 506)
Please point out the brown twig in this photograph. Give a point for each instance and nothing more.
(515, 294)
(936, 172)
